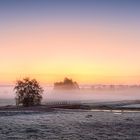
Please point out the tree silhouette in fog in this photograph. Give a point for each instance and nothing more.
(28, 92)
(68, 81)
(66, 84)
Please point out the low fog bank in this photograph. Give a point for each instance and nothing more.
(93, 95)
(7, 95)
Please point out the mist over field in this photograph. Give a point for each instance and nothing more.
(7, 95)
(75, 68)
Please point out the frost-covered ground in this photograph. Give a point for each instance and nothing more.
(132, 106)
(69, 125)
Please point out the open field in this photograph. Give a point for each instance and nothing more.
(41, 123)
(67, 125)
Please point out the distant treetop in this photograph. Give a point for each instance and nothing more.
(66, 84)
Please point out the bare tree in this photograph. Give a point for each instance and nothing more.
(28, 92)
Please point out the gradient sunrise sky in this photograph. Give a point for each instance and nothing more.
(91, 41)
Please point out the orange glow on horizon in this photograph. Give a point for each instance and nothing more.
(89, 54)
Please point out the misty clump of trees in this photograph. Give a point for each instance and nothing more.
(28, 92)
(66, 84)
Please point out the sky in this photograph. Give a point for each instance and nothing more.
(91, 41)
